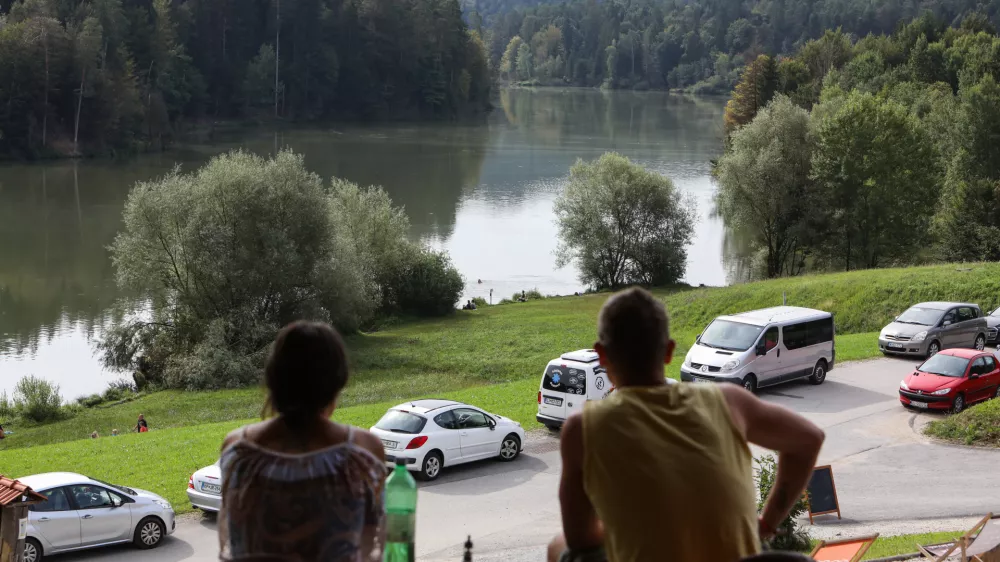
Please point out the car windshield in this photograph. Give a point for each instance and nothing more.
(945, 365)
(995, 312)
(729, 335)
(921, 316)
(398, 421)
(121, 489)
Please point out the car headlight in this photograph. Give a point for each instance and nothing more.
(902, 384)
(941, 392)
(164, 504)
(730, 365)
(919, 337)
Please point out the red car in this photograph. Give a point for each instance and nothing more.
(951, 380)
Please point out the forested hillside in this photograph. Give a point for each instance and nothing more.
(677, 43)
(83, 76)
(855, 154)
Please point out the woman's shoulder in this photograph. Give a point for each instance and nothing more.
(240, 433)
(367, 441)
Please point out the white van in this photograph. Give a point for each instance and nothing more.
(567, 383)
(763, 348)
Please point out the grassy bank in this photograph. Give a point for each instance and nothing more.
(511, 343)
(979, 425)
(885, 547)
(491, 357)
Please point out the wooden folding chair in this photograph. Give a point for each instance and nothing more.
(986, 546)
(849, 550)
(941, 551)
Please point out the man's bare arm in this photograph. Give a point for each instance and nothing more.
(796, 440)
(580, 524)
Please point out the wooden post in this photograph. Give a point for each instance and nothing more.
(11, 541)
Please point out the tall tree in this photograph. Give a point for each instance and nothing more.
(756, 87)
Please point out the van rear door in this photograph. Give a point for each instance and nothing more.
(562, 384)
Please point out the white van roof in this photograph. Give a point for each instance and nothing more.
(581, 355)
(781, 314)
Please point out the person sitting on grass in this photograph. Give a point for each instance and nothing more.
(114, 433)
(299, 486)
(664, 472)
(94, 435)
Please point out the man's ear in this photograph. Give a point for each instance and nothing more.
(601, 354)
(669, 355)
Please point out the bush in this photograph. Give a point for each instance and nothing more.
(119, 390)
(623, 225)
(90, 401)
(7, 410)
(37, 400)
(979, 425)
(428, 285)
(480, 302)
(789, 537)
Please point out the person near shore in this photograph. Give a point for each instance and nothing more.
(2, 434)
(114, 433)
(140, 425)
(298, 486)
(658, 471)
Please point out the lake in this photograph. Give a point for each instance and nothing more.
(483, 192)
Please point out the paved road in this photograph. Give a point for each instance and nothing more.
(883, 467)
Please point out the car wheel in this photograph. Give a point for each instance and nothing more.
(819, 372)
(510, 448)
(750, 383)
(958, 405)
(149, 533)
(933, 349)
(980, 342)
(32, 551)
(431, 468)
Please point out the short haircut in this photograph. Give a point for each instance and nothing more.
(634, 330)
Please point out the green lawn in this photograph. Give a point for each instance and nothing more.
(491, 357)
(979, 425)
(885, 547)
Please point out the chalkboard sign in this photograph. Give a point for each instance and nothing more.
(822, 493)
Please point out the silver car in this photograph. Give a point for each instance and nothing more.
(82, 512)
(205, 488)
(926, 328)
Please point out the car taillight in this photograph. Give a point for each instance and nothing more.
(417, 442)
(191, 483)
(539, 396)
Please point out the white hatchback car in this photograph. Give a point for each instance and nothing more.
(205, 488)
(432, 434)
(84, 513)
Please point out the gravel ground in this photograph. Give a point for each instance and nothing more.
(834, 529)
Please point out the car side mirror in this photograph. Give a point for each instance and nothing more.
(946, 323)
(973, 376)
(116, 502)
(761, 349)
(493, 425)
(697, 339)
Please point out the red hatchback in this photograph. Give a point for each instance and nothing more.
(951, 380)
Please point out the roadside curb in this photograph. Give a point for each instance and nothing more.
(896, 558)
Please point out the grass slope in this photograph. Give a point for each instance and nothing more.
(979, 425)
(885, 547)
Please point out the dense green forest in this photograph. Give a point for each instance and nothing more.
(86, 76)
(700, 45)
(866, 153)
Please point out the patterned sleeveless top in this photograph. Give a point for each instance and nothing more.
(323, 506)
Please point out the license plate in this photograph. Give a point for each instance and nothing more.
(389, 444)
(894, 345)
(916, 404)
(211, 488)
(696, 379)
(553, 401)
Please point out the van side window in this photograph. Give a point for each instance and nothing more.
(569, 380)
(965, 313)
(809, 333)
(770, 339)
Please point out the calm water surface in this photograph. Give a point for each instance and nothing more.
(483, 192)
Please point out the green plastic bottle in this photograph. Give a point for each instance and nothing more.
(401, 515)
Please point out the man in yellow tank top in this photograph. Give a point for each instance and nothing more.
(664, 472)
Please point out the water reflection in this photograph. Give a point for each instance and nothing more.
(482, 191)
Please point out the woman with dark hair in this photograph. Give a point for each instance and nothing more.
(297, 486)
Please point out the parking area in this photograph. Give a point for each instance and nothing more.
(885, 470)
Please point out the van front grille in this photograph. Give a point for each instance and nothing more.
(711, 369)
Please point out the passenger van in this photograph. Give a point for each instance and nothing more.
(568, 383)
(763, 348)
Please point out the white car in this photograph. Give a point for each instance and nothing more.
(432, 434)
(84, 513)
(205, 488)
